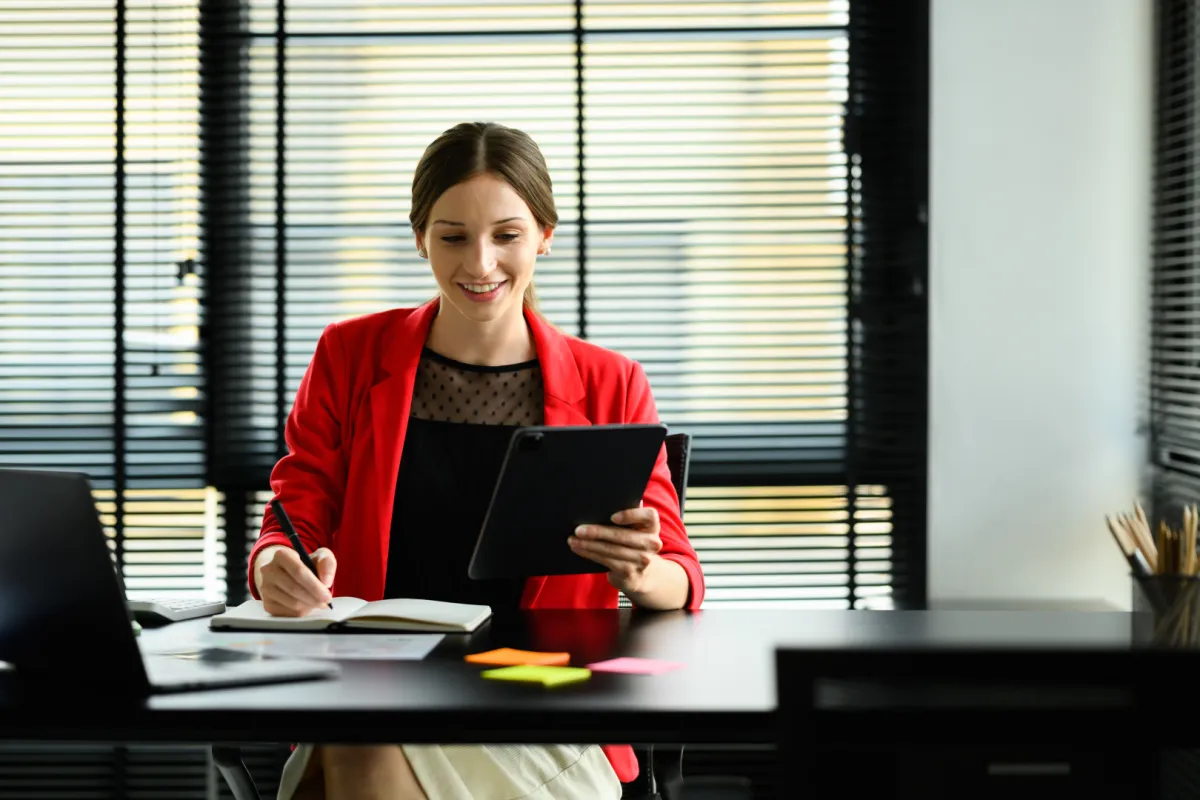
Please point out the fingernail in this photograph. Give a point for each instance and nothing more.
(582, 530)
(617, 517)
(572, 541)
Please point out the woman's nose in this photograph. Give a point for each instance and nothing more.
(481, 260)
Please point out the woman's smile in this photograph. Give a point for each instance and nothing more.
(483, 292)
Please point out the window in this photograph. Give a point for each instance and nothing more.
(99, 301)
(714, 225)
(722, 221)
(99, 349)
(190, 191)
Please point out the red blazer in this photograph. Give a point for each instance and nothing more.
(345, 435)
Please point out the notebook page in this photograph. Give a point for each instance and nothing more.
(435, 611)
(252, 611)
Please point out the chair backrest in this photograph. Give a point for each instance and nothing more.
(679, 456)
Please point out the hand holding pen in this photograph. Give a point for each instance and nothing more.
(289, 582)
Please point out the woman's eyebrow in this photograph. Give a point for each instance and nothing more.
(459, 224)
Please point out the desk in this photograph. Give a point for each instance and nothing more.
(726, 694)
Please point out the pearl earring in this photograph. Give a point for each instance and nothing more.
(421, 252)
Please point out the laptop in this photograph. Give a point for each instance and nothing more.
(63, 618)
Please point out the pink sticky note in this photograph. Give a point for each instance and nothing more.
(635, 666)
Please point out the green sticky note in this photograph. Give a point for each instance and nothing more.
(533, 673)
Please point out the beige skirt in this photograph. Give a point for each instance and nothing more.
(494, 771)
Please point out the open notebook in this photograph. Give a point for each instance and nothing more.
(400, 614)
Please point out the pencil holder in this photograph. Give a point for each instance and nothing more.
(1172, 603)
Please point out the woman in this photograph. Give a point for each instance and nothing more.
(395, 441)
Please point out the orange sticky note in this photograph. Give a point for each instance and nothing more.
(507, 657)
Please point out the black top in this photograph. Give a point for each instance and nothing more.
(462, 418)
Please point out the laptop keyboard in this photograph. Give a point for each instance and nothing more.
(181, 604)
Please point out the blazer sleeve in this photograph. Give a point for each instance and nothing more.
(660, 492)
(310, 480)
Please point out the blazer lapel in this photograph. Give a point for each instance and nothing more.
(560, 374)
(556, 412)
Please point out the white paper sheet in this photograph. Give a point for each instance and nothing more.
(344, 646)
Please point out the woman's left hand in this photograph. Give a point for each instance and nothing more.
(627, 547)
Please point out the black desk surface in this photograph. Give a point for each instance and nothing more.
(725, 694)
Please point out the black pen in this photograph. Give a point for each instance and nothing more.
(290, 532)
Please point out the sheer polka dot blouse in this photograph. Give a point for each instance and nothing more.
(451, 391)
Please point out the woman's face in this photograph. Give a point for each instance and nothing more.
(482, 241)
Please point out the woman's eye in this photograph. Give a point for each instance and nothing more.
(501, 237)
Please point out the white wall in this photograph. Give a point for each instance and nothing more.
(1039, 210)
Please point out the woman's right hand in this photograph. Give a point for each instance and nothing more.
(287, 587)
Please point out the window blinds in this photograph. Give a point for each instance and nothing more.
(729, 218)
(710, 214)
(99, 354)
(98, 347)
(1175, 313)
(190, 191)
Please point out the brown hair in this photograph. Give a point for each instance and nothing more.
(473, 148)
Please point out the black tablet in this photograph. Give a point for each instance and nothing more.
(554, 479)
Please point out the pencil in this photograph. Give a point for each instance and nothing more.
(1142, 537)
(1140, 513)
(1126, 547)
(1190, 527)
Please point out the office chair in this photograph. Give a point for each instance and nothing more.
(660, 774)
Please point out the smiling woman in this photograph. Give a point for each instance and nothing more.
(482, 211)
(482, 245)
(395, 442)
(485, 168)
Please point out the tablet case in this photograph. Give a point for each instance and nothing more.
(554, 479)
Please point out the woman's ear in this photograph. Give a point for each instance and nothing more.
(547, 239)
(419, 236)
